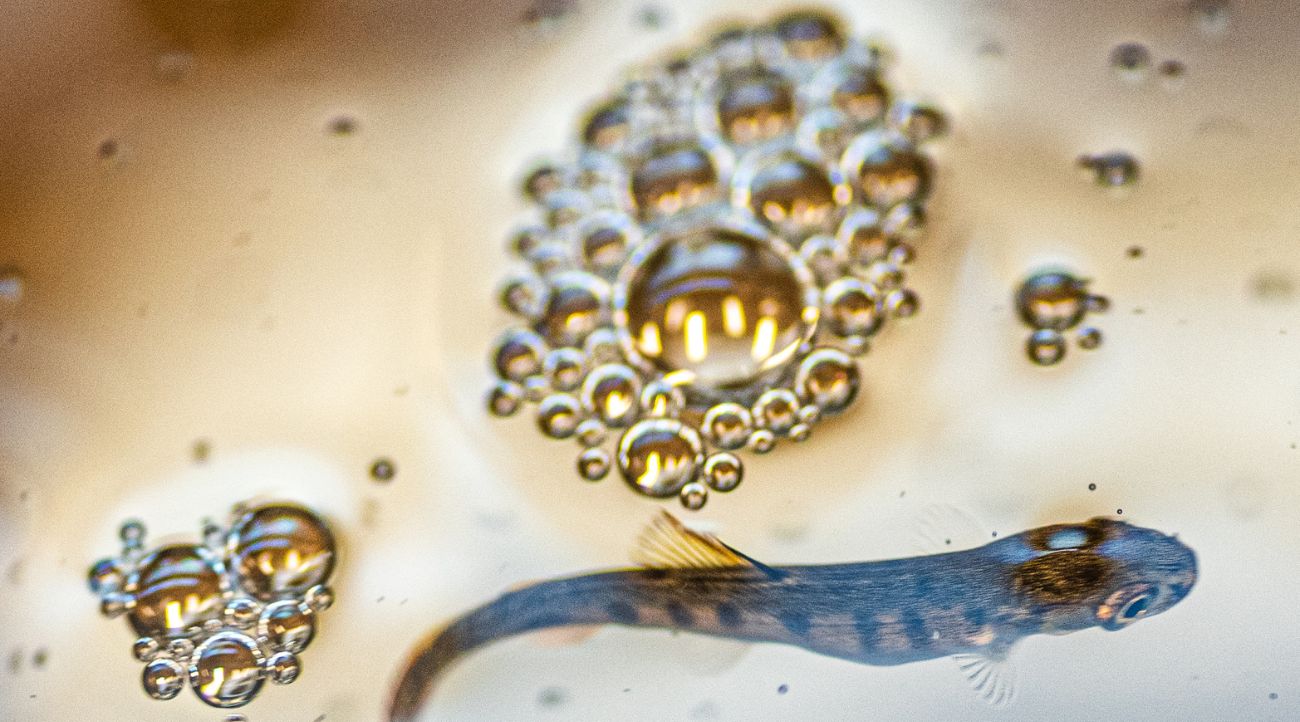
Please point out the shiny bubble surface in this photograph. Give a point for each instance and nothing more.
(727, 425)
(611, 392)
(859, 93)
(594, 464)
(242, 612)
(1045, 347)
(1089, 338)
(723, 471)
(776, 410)
(518, 355)
(145, 648)
(564, 367)
(284, 667)
(287, 625)
(104, 576)
(755, 105)
(1112, 170)
(575, 308)
(694, 495)
(827, 378)
(175, 588)
(558, 416)
(505, 398)
(657, 457)
(853, 308)
(673, 178)
(789, 193)
(1052, 300)
(809, 35)
(662, 398)
(163, 678)
(723, 305)
(887, 169)
(281, 549)
(226, 670)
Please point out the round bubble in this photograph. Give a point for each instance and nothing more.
(518, 355)
(594, 464)
(723, 471)
(1045, 346)
(227, 670)
(281, 549)
(576, 307)
(1053, 300)
(853, 308)
(672, 178)
(722, 304)
(694, 495)
(755, 105)
(163, 678)
(611, 393)
(558, 416)
(287, 625)
(776, 410)
(727, 425)
(505, 398)
(887, 169)
(662, 398)
(175, 588)
(827, 378)
(657, 457)
(808, 35)
(284, 667)
(791, 194)
(564, 367)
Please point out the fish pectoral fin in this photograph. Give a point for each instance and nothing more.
(992, 676)
(668, 544)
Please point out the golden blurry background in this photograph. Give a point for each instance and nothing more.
(273, 230)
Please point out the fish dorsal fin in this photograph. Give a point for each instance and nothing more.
(991, 675)
(668, 544)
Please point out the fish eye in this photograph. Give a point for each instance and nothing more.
(1135, 608)
(1126, 606)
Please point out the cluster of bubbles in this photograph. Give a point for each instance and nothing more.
(697, 280)
(1051, 303)
(225, 614)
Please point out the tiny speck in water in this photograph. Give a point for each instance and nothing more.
(1172, 74)
(1130, 60)
(1119, 511)
(236, 718)
(108, 149)
(342, 125)
(1092, 487)
(651, 17)
(947, 541)
(383, 470)
(40, 657)
(783, 689)
(1272, 695)
(553, 697)
(1135, 251)
(995, 535)
(201, 451)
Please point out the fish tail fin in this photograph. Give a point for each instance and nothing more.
(558, 603)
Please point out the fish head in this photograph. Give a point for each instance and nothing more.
(1103, 572)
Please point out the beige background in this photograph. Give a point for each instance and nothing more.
(306, 302)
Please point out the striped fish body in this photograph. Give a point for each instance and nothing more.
(974, 602)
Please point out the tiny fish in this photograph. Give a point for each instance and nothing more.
(972, 604)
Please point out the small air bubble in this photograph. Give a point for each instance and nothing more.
(1092, 487)
(383, 470)
(1119, 512)
(1272, 695)
(783, 689)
